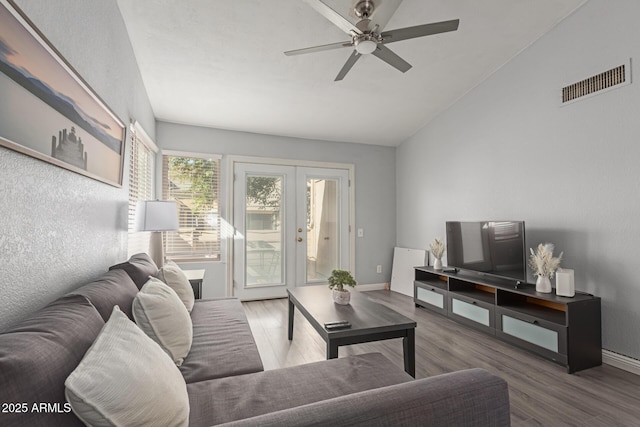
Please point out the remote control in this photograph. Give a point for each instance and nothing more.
(341, 324)
(337, 322)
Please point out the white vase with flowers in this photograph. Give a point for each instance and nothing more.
(544, 265)
(437, 248)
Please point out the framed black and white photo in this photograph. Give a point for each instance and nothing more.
(48, 111)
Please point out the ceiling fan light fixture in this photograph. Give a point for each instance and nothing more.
(365, 46)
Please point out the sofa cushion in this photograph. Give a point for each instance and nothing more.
(222, 342)
(228, 399)
(473, 397)
(112, 288)
(174, 277)
(161, 315)
(126, 379)
(139, 268)
(37, 354)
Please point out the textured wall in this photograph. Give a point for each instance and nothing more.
(60, 229)
(508, 150)
(374, 180)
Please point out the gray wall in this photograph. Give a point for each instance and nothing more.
(374, 180)
(509, 151)
(60, 229)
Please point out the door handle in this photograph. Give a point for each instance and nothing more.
(299, 239)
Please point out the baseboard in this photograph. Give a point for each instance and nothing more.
(620, 361)
(371, 287)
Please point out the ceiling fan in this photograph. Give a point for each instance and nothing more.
(367, 36)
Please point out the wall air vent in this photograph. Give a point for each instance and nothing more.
(613, 78)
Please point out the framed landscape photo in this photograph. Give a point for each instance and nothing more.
(48, 111)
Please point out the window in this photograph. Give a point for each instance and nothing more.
(192, 181)
(141, 167)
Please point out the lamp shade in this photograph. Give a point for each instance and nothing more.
(156, 215)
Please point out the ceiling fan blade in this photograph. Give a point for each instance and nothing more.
(391, 58)
(348, 65)
(333, 16)
(319, 48)
(419, 31)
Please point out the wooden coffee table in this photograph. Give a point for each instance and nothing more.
(369, 320)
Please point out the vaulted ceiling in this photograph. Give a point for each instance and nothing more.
(219, 63)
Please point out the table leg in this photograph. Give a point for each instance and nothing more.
(409, 347)
(332, 350)
(292, 310)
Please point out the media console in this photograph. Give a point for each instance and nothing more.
(564, 330)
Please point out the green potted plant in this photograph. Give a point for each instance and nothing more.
(338, 280)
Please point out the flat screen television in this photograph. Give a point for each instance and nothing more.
(495, 248)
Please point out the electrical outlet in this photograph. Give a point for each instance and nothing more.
(360, 232)
(379, 269)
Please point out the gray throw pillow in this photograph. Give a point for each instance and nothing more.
(125, 379)
(139, 268)
(38, 354)
(161, 315)
(174, 277)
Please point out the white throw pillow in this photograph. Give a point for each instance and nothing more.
(174, 277)
(161, 315)
(125, 379)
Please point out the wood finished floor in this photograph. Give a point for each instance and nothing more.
(541, 392)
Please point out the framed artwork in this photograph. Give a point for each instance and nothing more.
(48, 111)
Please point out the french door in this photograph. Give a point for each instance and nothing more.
(292, 227)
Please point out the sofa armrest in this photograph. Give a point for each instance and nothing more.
(471, 397)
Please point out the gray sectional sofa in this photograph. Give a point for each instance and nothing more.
(224, 376)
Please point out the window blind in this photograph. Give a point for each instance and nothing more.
(141, 168)
(192, 181)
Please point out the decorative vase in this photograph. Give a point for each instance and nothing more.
(543, 284)
(341, 297)
(437, 264)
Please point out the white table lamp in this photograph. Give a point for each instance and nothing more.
(156, 216)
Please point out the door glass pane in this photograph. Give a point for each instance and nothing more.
(323, 238)
(264, 230)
